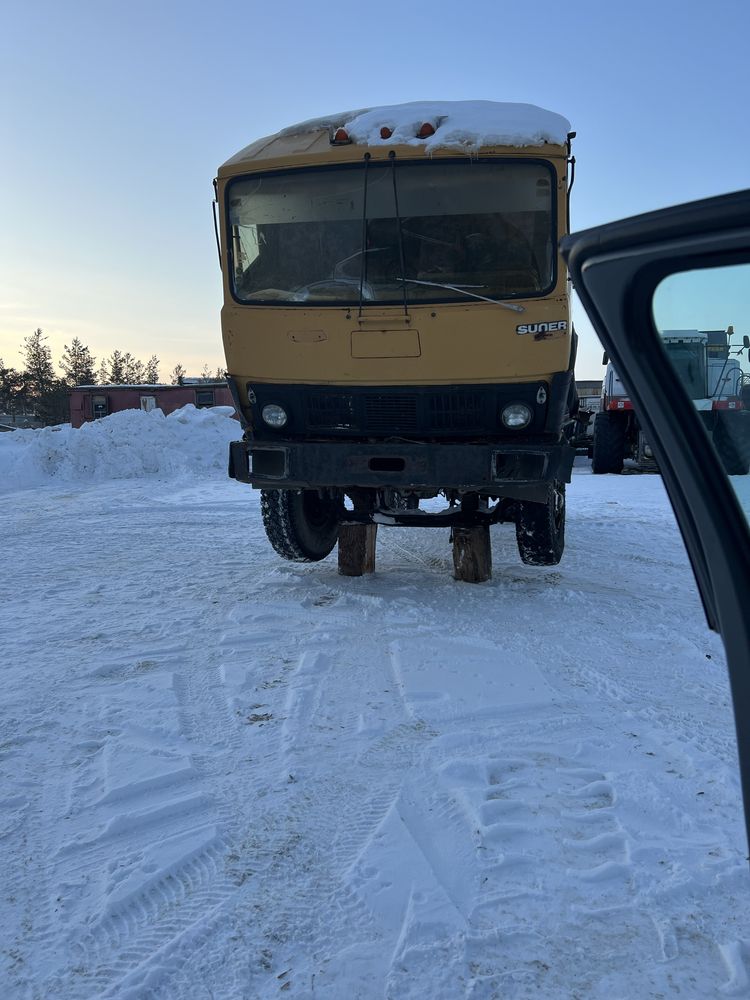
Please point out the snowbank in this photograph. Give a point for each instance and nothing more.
(124, 445)
(465, 124)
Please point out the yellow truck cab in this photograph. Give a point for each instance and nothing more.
(396, 322)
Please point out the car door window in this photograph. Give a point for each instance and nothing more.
(703, 317)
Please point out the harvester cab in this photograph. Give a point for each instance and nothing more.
(706, 363)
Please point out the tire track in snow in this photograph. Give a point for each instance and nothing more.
(337, 743)
(289, 820)
(33, 790)
(638, 701)
(532, 816)
(544, 819)
(163, 866)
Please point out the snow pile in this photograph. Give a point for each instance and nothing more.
(468, 125)
(124, 445)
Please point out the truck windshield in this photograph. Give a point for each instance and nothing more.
(298, 236)
(689, 361)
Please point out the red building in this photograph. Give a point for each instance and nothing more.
(89, 402)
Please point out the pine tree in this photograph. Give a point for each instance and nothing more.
(132, 370)
(39, 372)
(115, 370)
(152, 370)
(78, 364)
(205, 372)
(45, 392)
(178, 373)
(12, 396)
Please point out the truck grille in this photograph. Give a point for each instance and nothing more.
(454, 411)
(330, 410)
(388, 414)
(400, 412)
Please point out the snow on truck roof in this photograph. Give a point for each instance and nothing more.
(464, 125)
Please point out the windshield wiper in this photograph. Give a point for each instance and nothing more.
(472, 295)
(392, 157)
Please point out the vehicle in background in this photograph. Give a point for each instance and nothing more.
(397, 325)
(616, 433)
(588, 407)
(707, 366)
(91, 402)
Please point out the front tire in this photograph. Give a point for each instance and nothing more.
(540, 528)
(609, 443)
(301, 526)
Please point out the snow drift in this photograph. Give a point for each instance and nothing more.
(124, 445)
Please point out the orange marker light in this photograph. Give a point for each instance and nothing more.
(341, 135)
(426, 130)
(385, 132)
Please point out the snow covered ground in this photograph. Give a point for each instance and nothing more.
(228, 776)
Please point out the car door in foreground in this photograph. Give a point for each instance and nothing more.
(668, 293)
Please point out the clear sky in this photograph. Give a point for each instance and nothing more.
(116, 115)
(710, 299)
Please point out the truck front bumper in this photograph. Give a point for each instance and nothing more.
(519, 471)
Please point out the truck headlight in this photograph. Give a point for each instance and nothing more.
(274, 415)
(516, 416)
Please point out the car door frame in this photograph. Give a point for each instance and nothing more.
(615, 270)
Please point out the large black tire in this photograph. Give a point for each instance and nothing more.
(301, 526)
(609, 443)
(732, 442)
(540, 528)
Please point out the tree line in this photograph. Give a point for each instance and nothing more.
(36, 389)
